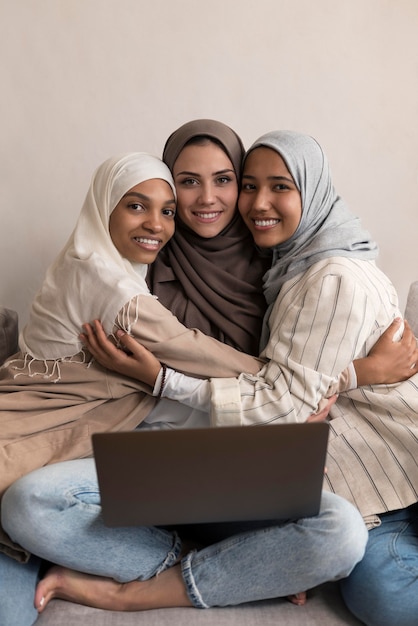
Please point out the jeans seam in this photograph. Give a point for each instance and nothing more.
(171, 557)
(400, 561)
(190, 583)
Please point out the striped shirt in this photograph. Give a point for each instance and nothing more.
(322, 320)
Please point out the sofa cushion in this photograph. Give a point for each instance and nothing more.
(323, 608)
(411, 311)
(8, 333)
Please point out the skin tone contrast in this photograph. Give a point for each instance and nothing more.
(143, 221)
(271, 207)
(207, 188)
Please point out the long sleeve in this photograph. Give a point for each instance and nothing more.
(186, 350)
(192, 392)
(320, 323)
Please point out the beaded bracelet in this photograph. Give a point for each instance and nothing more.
(163, 377)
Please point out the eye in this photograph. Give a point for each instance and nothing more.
(223, 180)
(169, 212)
(136, 206)
(189, 182)
(247, 187)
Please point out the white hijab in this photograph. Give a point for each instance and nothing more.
(90, 279)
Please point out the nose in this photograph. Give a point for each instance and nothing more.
(261, 200)
(153, 223)
(207, 195)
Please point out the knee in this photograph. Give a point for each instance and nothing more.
(18, 507)
(346, 531)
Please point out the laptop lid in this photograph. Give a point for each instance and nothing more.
(169, 477)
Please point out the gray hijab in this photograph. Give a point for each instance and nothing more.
(327, 227)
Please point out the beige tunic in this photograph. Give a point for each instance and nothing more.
(49, 419)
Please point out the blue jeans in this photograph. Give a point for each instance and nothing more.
(55, 513)
(383, 588)
(17, 585)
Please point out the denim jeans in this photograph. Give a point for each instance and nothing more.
(17, 586)
(383, 588)
(55, 513)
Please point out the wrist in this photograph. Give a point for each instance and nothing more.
(369, 371)
(160, 381)
(375, 370)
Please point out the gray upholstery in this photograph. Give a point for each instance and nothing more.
(8, 333)
(411, 310)
(324, 607)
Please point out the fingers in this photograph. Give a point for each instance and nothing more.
(408, 335)
(129, 342)
(332, 400)
(90, 339)
(96, 341)
(322, 414)
(99, 331)
(392, 333)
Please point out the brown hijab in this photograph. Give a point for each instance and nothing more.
(213, 284)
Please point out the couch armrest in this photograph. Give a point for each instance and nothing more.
(411, 310)
(8, 333)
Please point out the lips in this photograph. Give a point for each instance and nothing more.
(266, 223)
(213, 215)
(148, 242)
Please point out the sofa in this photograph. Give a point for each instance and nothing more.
(323, 608)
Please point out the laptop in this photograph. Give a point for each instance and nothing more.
(205, 475)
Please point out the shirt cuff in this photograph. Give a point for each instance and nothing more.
(226, 402)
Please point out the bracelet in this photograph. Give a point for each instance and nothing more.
(163, 377)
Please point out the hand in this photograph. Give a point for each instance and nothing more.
(325, 407)
(391, 361)
(140, 363)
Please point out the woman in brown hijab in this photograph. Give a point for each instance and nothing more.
(210, 275)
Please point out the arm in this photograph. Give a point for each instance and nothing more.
(318, 325)
(186, 350)
(138, 362)
(389, 360)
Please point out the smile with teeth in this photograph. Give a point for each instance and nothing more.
(207, 216)
(155, 243)
(266, 222)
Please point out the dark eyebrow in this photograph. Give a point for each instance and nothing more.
(187, 173)
(145, 198)
(276, 178)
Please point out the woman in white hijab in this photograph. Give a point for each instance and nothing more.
(53, 395)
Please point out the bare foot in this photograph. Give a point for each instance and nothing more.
(165, 590)
(298, 598)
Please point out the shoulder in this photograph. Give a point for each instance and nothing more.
(339, 279)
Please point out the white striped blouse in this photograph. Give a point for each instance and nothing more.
(322, 321)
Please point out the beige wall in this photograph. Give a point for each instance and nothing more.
(83, 79)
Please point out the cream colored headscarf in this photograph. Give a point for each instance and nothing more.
(90, 279)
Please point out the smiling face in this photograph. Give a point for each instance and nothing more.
(143, 221)
(269, 202)
(207, 188)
